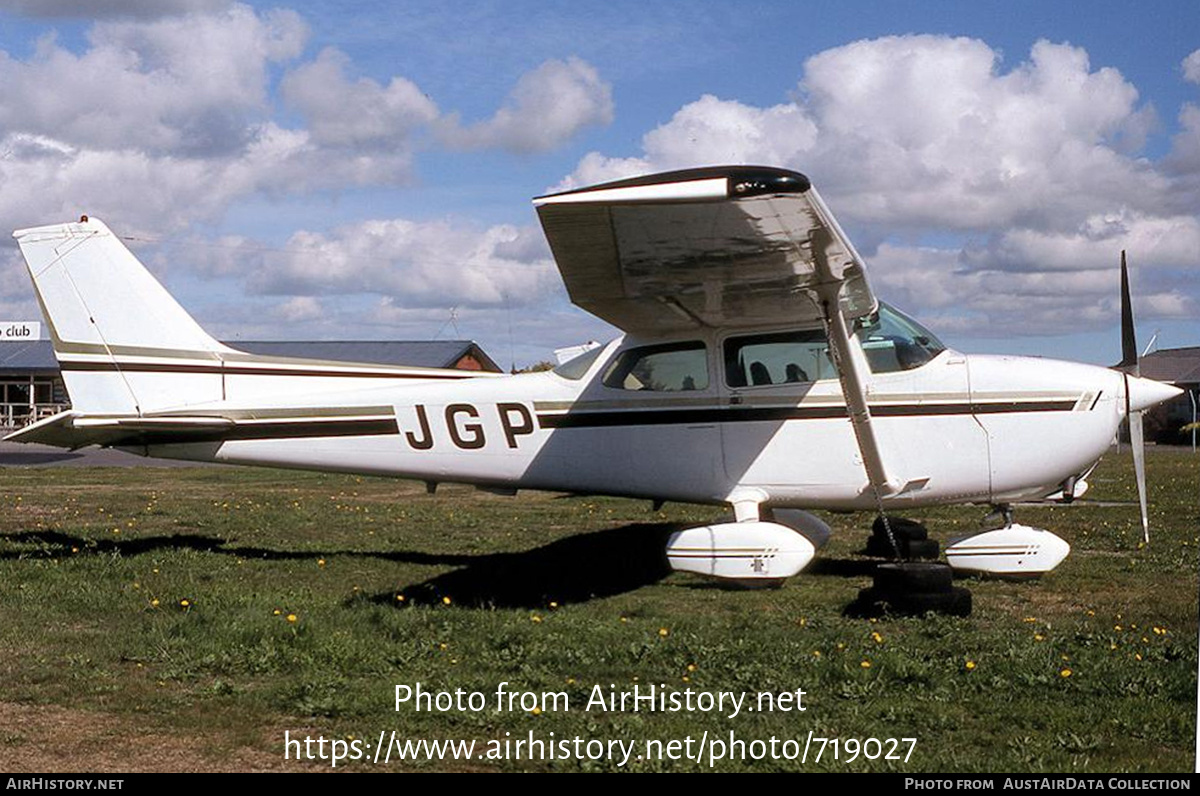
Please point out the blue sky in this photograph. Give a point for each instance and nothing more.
(363, 170)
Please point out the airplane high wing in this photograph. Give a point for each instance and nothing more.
(719, 247)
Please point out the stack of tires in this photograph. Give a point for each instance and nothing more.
(909, 587)
(911, 537)
(913, 588)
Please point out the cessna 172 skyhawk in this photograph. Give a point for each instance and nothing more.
(757, 370)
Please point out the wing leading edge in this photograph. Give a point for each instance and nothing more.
(727, 247)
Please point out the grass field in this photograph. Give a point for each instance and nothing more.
(185, 619)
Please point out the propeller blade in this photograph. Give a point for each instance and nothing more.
(1137, 441)
(1131, 367)
(1129, 351)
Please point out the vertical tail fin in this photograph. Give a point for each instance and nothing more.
(125, 346)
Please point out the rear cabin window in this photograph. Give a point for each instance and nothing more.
(674, 367)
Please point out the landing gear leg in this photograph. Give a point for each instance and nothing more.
(1003, 510)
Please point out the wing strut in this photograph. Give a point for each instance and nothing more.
(850, 373)
(851, 367)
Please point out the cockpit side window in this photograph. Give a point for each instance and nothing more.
(777, 358)
(890, 340)
(672, 367)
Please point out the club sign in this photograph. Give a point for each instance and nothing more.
(20, 330)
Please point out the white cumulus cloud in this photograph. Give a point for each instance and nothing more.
(548, 106)
(1191, 67)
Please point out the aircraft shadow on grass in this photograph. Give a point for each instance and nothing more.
(578, 568)
(35, 458)
(571, 570)
(575, 569)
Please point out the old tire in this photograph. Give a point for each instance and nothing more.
(914, 576)
(902, 528)
(909, 548)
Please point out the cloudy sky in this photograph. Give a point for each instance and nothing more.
(362, 170)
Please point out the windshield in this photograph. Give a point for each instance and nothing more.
(893, 341)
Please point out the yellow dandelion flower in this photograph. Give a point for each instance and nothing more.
(865, 664)
(1038, 637)
(662, 631)
(536, 711)
(320, 562)
(970, 666)
(292, 619)
(442, 645)
(624, 619)
(535, 619)
(445, 601)
(185, 603)
(276, 612)
(154, 603)
(570, 681)
(816, 653)
(553, 605)
(1137, 656)
(878, 638)
(399, 598)
(1065, 673)
(1117, 628)
(691, 667)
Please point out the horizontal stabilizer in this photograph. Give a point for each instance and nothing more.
(74, 429)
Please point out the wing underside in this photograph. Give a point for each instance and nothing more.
(719, 247)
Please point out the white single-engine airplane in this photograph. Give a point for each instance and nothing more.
(757, 370)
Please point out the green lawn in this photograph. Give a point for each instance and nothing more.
(185, 619)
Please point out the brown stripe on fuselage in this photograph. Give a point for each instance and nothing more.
(651, 417)
(314, 429)
(245, 370)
